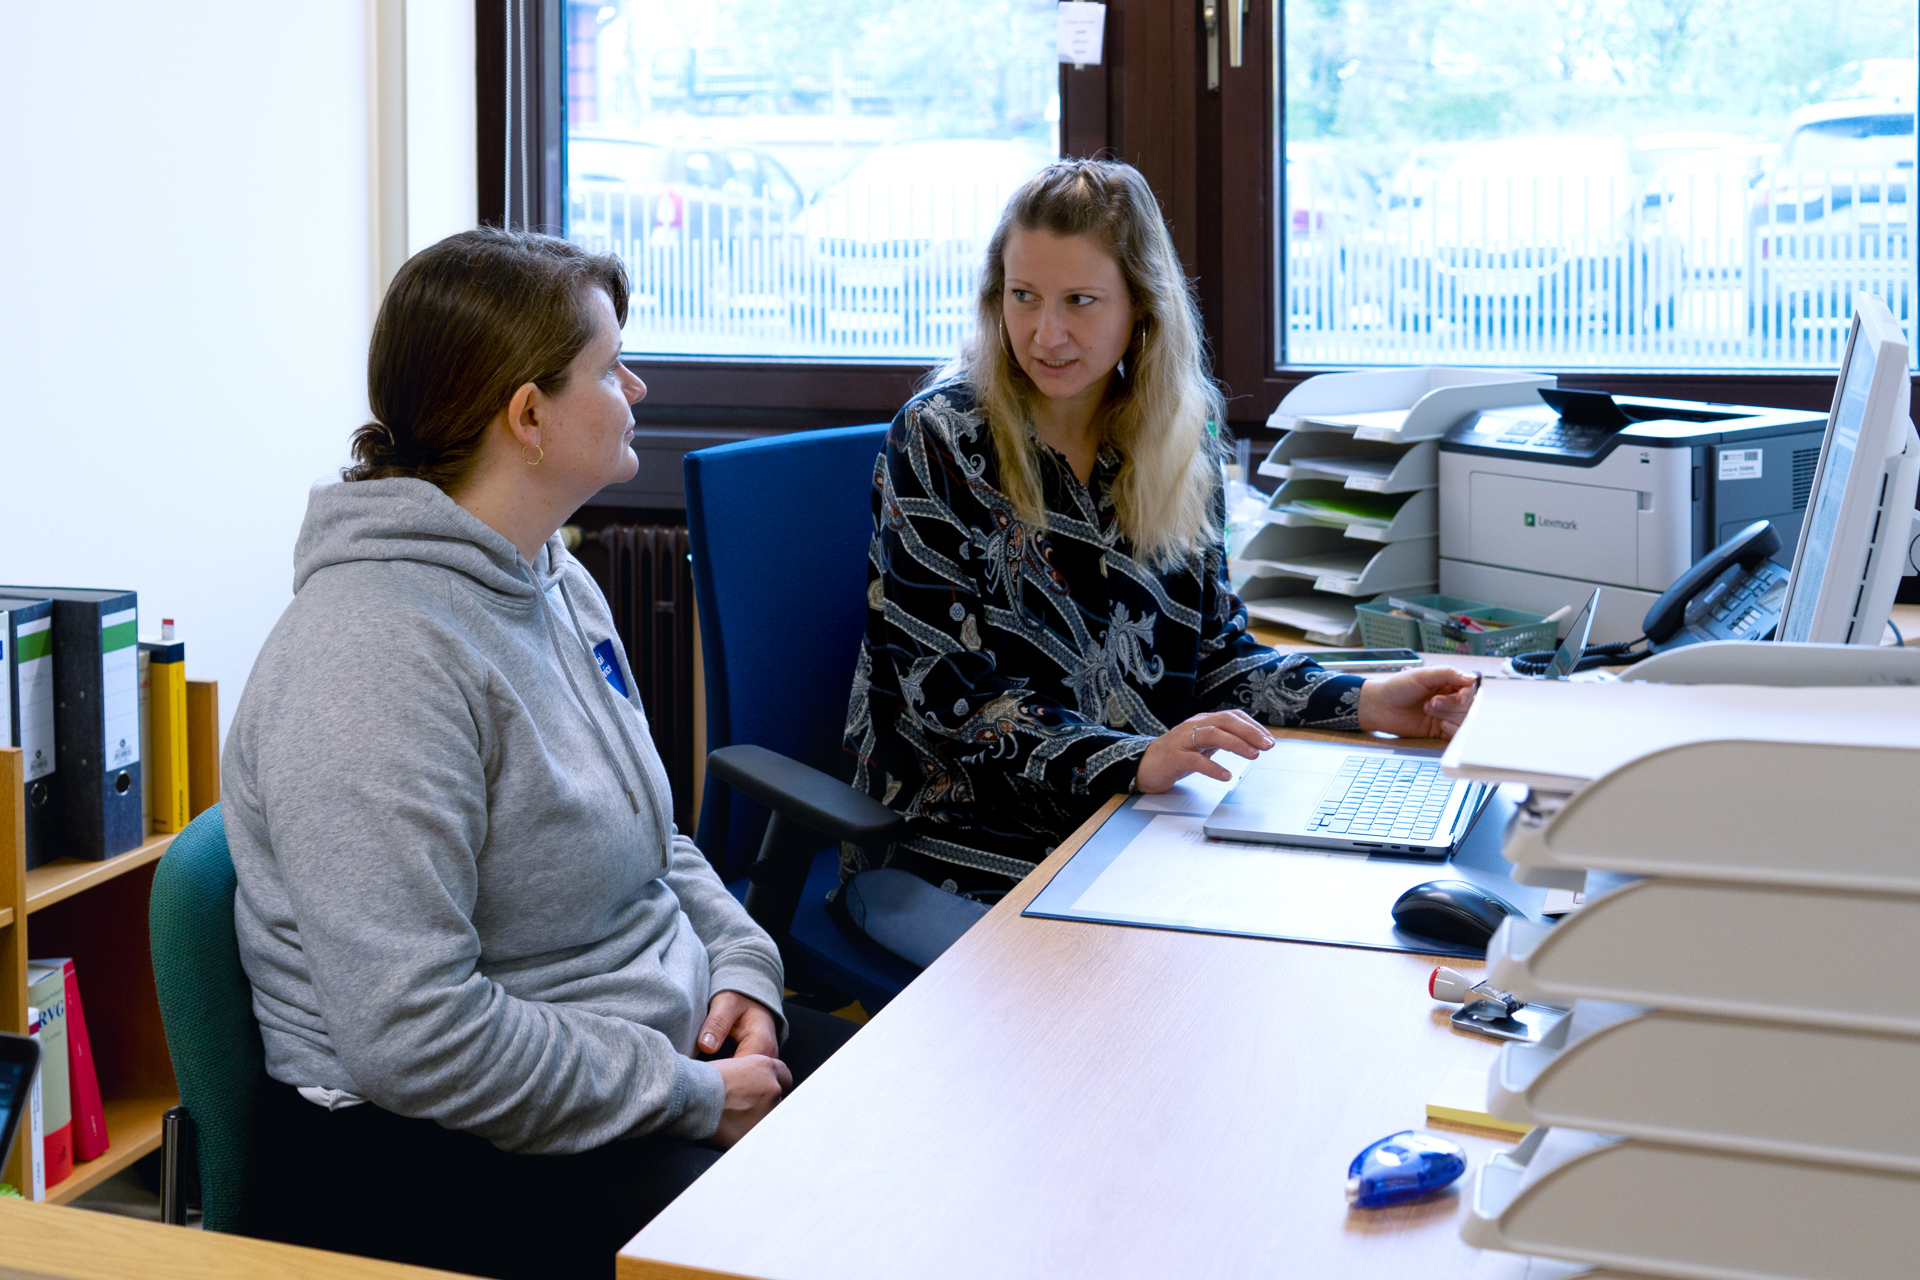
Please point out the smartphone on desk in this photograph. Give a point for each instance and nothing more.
(1365, 660)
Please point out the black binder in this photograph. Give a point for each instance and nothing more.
(27, 639)
(96, 697)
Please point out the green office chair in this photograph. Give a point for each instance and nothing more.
(206, 1005)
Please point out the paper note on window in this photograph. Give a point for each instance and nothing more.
(1082, 30)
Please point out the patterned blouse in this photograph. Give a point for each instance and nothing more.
(1009, 681)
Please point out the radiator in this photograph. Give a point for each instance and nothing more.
(650, 587)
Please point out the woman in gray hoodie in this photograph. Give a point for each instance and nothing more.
(483, 960)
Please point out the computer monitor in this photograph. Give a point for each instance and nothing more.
(1855, 540)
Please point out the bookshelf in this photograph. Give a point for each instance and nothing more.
(96, 912)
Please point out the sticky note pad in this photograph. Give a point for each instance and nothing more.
(1462, 1099)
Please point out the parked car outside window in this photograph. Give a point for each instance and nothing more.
(699, 226)
(1833, 218)
(1537, 235)
(893, 249)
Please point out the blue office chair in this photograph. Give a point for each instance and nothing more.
(779, 529)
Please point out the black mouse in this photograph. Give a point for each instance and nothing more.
(1452, 911)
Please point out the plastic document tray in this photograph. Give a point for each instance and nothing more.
(1759, 812)
(1821, 957)
(1763, 1088)
(1673, 1211)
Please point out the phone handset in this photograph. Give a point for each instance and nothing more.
(1748, 549)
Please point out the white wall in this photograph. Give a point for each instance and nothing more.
(185, 298)
(442, 182)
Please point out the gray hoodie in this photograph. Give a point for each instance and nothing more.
(461, 895)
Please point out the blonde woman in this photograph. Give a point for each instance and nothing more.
(1049, 617)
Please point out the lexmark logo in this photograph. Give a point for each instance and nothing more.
(1539, 522)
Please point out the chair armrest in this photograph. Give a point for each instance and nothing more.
(800, 800)
(804, 795)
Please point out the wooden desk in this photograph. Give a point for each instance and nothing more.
(1055, 1098)
(48, 1242)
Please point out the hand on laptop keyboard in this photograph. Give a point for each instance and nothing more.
(1188, 747)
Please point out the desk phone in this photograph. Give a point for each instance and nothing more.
(1733, 593)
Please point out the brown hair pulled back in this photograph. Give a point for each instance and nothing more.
(465, 323)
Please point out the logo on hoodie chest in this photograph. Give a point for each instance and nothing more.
(610, 666)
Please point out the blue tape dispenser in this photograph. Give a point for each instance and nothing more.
(1403, 1166)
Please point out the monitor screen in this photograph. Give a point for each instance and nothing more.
(1852, 547)
(1836, 466)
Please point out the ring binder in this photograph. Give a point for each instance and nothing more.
(97, 717)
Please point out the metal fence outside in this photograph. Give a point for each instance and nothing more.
(887, 272)
(1716, 270)
(1694, 271)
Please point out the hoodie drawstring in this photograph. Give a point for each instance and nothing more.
(606, 691)
(566, 669)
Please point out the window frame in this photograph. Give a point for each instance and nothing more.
(1095, 106)
(1249, 332)
(1146, 103)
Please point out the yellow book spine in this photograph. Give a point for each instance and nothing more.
(167, 694)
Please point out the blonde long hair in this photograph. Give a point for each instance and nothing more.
(1156, 417)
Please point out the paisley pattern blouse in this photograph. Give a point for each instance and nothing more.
(1009, 681)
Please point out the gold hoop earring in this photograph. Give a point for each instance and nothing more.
(539, 455)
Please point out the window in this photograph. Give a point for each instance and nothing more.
(1650, 184)
(797, 179)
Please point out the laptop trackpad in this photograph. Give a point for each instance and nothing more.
(1294, 792)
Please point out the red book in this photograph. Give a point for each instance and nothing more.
(89, 1117)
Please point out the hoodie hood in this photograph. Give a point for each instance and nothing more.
(405, 519)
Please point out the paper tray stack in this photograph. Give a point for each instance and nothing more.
(1737, 1090)
(1357, 514)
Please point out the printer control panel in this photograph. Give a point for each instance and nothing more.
(1535, 431)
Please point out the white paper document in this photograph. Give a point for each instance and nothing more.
(1082, 30)
(1385, 421)
(1561, 734)
(1363, 468)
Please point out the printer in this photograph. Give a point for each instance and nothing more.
(1541, 503)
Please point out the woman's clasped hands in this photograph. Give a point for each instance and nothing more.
(754, 1076)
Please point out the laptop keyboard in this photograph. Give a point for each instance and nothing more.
(1391, 797)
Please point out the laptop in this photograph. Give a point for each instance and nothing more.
(1366, 799)
(1324, 795)
(19, 1057)
(1567, 657)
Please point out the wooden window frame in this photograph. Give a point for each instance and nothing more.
(1147, 103)
(1141, 107)
(681, 390)
(1244, 304)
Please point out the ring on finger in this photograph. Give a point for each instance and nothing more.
(1193, 734)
